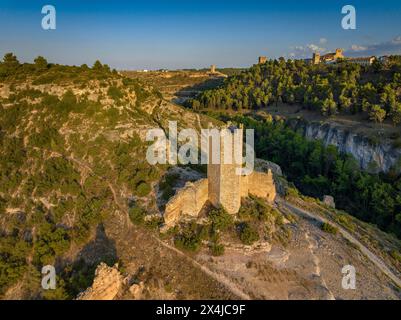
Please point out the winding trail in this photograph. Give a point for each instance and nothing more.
(369, 254)
(216, 276)
(316, 262)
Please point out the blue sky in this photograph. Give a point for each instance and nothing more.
(186, 34)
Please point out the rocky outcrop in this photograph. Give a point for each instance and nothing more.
(329, 201)
(381, 156)
(187, 202)
(136, 290)
(264, 166)
(257, 247)
(106, 285)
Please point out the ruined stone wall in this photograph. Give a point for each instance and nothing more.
(187, 201)
(190, 200)
(259, 184)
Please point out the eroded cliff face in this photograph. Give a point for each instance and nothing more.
(380, 156)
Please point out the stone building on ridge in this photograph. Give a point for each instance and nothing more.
(223, 187)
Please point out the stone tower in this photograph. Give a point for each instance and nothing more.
(213, 68)
(316, 58)
(262, 59)
(224, 182)
(339, 54)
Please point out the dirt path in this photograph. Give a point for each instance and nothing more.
(218, 277)
(369, 254)
(312, 247)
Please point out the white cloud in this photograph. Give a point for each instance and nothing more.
(305, 51)
(397, 40)
(376, 49)
(392, 46)
(315, 48)
(357, 48)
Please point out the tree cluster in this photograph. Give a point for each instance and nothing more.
(329, 89)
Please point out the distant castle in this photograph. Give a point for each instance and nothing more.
(224, 187)
(330, 58)
(262, 59)
(213, 68)
(213, 72)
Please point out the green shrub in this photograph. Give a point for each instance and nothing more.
(291, 192)
(143, 189)
(247, 234)
(115, 93)
(13, 264)
(154, 223)
(254, 208)
(345, 221)
(221, 220)
(3, 205)
(137, 215)
(167, 185)
(60, 293)
(329, 228)
(48, 138)
(217, 249)
(396, 255)
(189, 239)
(52, 241)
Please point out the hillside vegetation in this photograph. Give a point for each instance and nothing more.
(72, 140)
(329, 89)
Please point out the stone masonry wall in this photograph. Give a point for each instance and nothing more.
(259, 184)
(189, 200)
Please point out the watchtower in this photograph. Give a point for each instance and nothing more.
(224, 178)
(339, 53)
(262, 59)
(316, 58)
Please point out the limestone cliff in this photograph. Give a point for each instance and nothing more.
(107, 283)
(380, 156)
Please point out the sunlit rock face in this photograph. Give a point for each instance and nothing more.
(107, 283)
(374, 157)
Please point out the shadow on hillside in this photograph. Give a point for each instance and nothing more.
(100, 249)
(80, 272)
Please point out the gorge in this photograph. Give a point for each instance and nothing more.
(371, 155)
